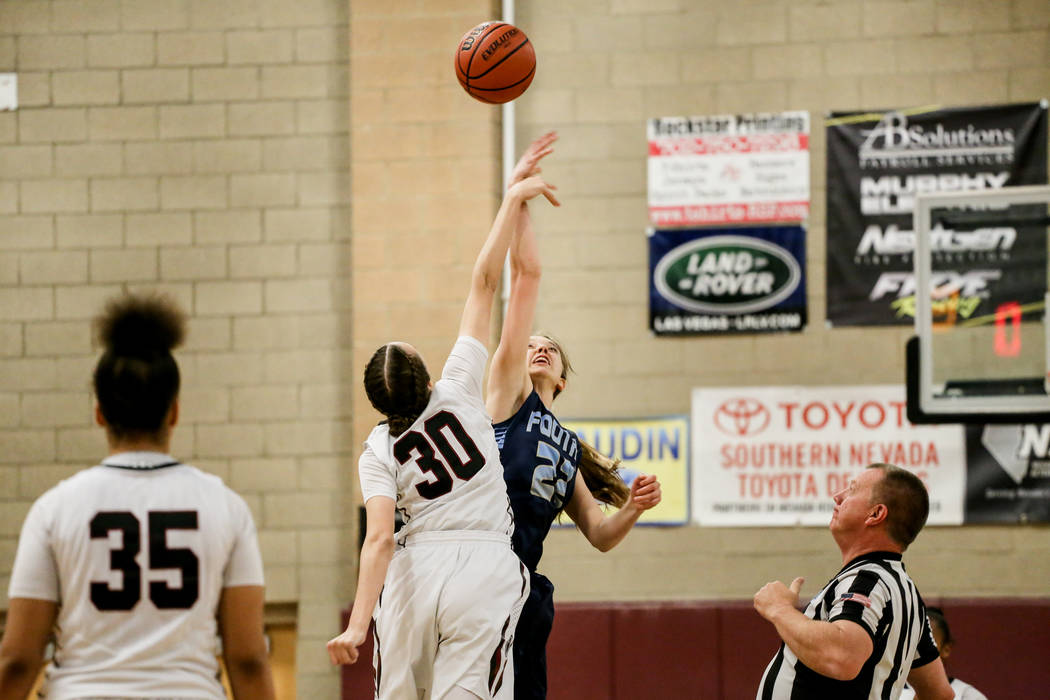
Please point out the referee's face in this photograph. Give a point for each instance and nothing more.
(853, 503)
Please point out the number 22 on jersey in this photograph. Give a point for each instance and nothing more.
(440, 429)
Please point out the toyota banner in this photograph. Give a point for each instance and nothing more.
(773, 456)
(877, 162)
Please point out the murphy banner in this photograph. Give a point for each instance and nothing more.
(727, 280)
(657, 446)
(778, 455)
(1008, 474)
(878, 162)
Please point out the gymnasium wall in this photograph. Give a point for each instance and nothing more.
(308, 180)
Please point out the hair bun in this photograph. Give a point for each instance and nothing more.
(141, 325)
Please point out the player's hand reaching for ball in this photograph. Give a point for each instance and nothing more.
(532, 186)
(645, 492)
(343, 649)
(528, 164)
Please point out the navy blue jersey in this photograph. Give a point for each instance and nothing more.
(539, 464)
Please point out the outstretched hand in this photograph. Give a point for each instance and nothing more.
(530, 187)
(528, 164)
(645, 492)
(775, 595)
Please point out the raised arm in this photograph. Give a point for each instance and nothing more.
(484, 280)
(834, 649)
(509, 382)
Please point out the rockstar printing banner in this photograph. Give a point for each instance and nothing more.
(729, 168)
(878, 162)
(657, 446)
(1008, 473)
(777, 455)
(727, 280)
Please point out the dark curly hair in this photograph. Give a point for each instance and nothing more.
(397, 384)
(136, 379)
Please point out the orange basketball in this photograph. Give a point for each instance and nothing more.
(495, 62)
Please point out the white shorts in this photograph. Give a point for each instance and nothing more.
(446, 617)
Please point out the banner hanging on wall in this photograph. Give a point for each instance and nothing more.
(777, 455)
(877, 163)
(657, 446)
(727, 280)
(1008, 474)
(729, 168)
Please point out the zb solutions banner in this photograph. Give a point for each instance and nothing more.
(778, 455)
(657, 446)
(878, 162)
(727, 280)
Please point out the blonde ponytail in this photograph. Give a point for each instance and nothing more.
(600, 474)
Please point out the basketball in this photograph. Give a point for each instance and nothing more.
(495, 62)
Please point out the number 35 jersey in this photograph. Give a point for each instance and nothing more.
(443, 472)
(136, 552)
(540, 458)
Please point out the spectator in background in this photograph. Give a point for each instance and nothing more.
(943, 636)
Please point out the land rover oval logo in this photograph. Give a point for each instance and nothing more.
(727, 275)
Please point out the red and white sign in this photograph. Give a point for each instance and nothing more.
(777, 455)
(744, 168)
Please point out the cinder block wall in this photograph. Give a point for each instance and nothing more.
(605, 66)
(200, 148)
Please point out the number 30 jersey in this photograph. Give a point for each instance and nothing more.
(540, 458)
(136, 552)
(443, 472)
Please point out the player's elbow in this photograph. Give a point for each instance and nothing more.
(379, 543)
(17, 669)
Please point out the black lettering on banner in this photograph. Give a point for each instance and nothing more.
(123, 560)
(427, 459)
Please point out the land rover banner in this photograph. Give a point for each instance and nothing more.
(727, 280)
(1008, 473)
(878, 162)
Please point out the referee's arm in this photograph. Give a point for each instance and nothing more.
(930, 682)
(834, 649)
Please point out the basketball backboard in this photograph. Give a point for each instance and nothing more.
(982, 352)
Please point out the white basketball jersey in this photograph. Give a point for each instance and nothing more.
(136, 553)
(443, 472)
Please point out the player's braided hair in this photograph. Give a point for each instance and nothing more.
(136, 380)
(397, 382)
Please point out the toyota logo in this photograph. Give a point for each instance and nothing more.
(742, 417)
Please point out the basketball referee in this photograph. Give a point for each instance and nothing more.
(866, 633)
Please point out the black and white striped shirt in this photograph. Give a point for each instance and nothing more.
(874, 591)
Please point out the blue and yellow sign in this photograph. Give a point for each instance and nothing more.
(657, 446)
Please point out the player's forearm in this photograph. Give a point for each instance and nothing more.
(524, 253)
(250, 677)
(17, 675)
(375, 560)
(489, 265)
(817, 644)
(613, 528)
